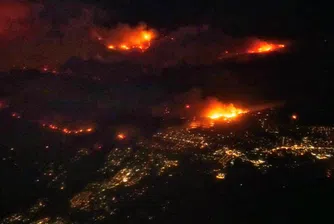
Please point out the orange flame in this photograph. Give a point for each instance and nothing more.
(218, 111)
(264, 47)
(112, 47)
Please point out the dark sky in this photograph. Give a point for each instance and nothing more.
(273, 18)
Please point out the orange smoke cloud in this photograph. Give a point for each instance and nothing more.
(12, 18)
(125, 38)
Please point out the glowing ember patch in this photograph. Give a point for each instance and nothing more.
(121, 136)
(294, 117)
(111, 47)
(187, 106)
(194, 124)
(124, 47)
(220, 176)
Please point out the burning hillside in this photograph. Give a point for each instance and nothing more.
(125, 38)
(258, 47)
(220, 111)
(214, 112)
(82, 32)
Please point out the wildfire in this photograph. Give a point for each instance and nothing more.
(67, 130)
(125, 38)
(138, 40)
(264, 47)
(218, 111)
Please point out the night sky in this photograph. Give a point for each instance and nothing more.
(50, 32)
(278, 18)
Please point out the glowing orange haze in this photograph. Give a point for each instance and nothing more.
(264, 47)
(218, 111)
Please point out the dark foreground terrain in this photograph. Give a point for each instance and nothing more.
(274, 171)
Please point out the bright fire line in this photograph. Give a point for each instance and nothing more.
(140, 40)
